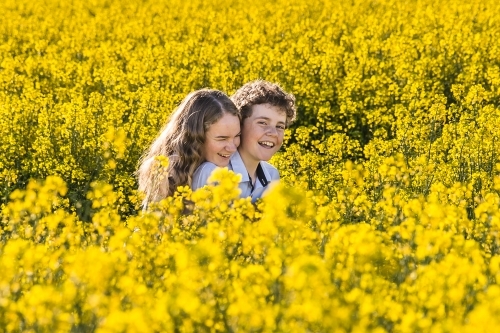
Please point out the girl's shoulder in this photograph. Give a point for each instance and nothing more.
(201, 174)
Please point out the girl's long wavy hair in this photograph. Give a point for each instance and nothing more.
(181, 140)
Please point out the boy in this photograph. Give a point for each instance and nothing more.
(266, 110)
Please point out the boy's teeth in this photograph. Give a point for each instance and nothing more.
(267, 143)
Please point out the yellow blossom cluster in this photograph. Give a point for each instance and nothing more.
(387, 216)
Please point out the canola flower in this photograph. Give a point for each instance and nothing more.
(387, 215)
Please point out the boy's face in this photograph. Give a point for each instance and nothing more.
(262, 132)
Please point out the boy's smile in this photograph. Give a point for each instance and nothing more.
(262, 133)
(267, 144)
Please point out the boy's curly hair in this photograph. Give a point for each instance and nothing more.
(264, 92)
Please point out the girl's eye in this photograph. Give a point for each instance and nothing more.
(262, 123)
(281, 127)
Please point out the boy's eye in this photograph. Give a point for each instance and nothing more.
(281, 127)
(262, 123)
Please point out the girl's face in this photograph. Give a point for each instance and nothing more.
(221, 140)
(263, 133)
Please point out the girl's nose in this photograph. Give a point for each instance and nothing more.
(231, 147)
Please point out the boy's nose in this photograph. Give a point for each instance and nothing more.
(271, 130)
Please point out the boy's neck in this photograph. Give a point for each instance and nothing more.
(250, 164)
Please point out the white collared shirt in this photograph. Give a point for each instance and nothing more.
(236, 164)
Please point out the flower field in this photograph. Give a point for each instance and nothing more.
(387, 216)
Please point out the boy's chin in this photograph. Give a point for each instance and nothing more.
(266, 157)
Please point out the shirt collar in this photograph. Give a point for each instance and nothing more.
(238, 166)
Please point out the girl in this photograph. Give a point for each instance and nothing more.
(204, 127)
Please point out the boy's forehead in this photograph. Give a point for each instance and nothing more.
(263, 110)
